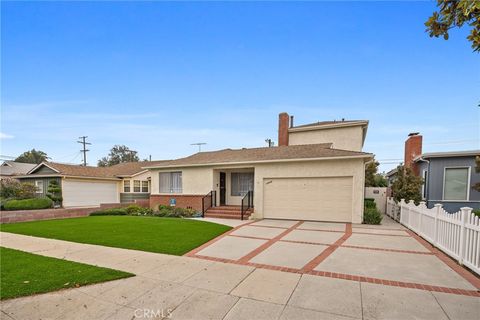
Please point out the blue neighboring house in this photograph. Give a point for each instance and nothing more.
(449, 178)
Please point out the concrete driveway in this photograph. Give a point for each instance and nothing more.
(268, 269)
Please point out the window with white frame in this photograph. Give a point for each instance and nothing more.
(39, 186)
(455, 184)
(126, 185)
(144, 186)
(242, 182)
(136, 185)
(424, 184)
(171, 182)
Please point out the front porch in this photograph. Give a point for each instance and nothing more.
(232, 194)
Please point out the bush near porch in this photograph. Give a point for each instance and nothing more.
(135, 210)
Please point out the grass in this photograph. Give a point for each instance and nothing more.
(162, 235)
(23, 274)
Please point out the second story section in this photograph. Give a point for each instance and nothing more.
(342, 134)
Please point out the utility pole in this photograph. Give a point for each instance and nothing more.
(84, 150)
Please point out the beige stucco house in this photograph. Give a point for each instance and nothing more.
(316, 173)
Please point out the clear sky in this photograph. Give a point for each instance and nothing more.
(160, 76)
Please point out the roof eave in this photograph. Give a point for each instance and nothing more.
(362, 156)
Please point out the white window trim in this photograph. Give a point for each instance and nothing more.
(139, 190)
(170, 187)
(129, 186)
(424, 185)
(468, 182)
(37, 188)
(141, 186)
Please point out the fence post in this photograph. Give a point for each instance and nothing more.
(402, 214)
(464, 213)
(438, 207)
(421, 208)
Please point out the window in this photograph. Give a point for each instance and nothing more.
(144, 186)
(455, 184)
(39, 186)
(171, 182)
(424, 184)
(136, 185)
(126, 186)
(241, 183)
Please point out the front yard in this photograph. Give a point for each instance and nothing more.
(23, 274)
(161, 235)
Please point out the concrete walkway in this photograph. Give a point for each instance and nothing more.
(326, 274)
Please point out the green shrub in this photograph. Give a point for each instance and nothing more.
(174, 212)
(476, 212)
(372, 216)
(13, 189)
(28, 204)
(54, 192)
(110, 212)
(133, 209)
(370, 203)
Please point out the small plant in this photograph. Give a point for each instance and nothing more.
(372, 216)
(476, 212)
(370, 203)
(28, 204)
(54, 192)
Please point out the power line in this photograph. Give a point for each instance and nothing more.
(84, 150)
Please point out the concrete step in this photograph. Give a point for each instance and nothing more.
(226, 216)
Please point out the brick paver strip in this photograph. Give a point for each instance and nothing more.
(203, 246)
(467, 275)
(268, 244)
(327, 252)
(382, 234)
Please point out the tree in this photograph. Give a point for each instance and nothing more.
(407, 185)
(32, 156)
(455, 13)
(54, 192)
(370, 170)
(118, 154)
(476, 186)
(372, 177)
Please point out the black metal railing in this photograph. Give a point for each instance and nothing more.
(208, 201)
(247, 203)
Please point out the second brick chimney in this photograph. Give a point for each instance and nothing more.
(283, 125)
(413, 148)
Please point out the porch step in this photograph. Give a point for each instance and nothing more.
(227, 212)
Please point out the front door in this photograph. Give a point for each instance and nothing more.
(222, 188)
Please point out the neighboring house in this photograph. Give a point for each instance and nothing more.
(390, 176)
(84, 186)
(448, 176)
(10, 169)
(316, 173)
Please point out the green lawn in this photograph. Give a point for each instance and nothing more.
(163, 235)
(23, 274)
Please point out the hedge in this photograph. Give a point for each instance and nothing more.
(110, 212)
(372, 216)
(28, 204)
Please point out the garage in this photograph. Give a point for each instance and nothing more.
(79, 193)
(309, 198)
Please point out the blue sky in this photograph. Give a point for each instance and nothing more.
(160, 76)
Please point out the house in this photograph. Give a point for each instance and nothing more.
(10, 169)
(317, 172)
(448, 177)
(85, 186)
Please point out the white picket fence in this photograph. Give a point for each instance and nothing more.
(457, 234)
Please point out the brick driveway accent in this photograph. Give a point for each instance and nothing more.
(388, 255)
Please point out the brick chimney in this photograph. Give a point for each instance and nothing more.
(413, 148)
(283, 124)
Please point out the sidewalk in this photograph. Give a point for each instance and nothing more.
(191, 288)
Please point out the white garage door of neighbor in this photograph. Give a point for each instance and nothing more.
(322, 199)
(87, 193)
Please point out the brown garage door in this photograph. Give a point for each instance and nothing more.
(321, 199)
